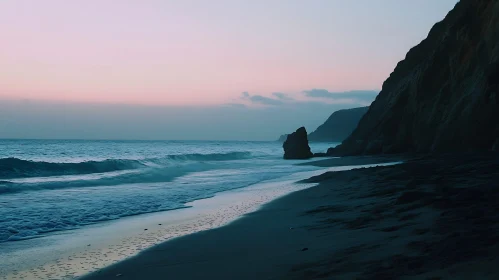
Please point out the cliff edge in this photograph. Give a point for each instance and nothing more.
(444, 96)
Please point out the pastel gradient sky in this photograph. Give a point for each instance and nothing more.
(205, 53)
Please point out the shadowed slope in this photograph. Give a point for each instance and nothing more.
(338, 126)
(444, 95)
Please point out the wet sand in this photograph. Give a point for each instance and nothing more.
(431, 218)
(356, 160)
(70, 254)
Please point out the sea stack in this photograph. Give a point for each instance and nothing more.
(296, 145)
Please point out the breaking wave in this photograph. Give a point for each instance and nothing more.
(11, 168)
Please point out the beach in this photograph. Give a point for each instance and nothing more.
(66, 226)
(429, 218)
(249, 140)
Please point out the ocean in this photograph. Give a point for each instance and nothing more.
(48, 186)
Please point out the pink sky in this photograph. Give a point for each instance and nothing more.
(202, 52)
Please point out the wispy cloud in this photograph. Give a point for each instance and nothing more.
(282, 96)
(353, 97)
(363, 96)
(262, 100)
(234, 105)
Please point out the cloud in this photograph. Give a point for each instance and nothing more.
(261, 100)
(234, 105)
(246, 117)
(317, 93)
(282, 96)
(355, 95)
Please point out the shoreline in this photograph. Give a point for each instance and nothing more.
(362, 163)
(70, 254)
(395, 222)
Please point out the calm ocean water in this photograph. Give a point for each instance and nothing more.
(54, 185)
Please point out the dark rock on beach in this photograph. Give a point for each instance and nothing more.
(296, 145)
(444, 96)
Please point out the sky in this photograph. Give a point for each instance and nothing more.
(220, 69)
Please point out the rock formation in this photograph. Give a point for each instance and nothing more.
(444, 96)
(296, 145)
(338, 126)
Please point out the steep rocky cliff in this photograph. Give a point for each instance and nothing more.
(444, 96)
(338, 126)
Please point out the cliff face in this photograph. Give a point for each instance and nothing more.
(444, 96)
(338, 126)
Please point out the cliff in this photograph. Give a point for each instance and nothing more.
(338, 126)
(443, 96)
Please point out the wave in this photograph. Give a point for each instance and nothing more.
(18, 168)
(143, 176)
(11, 168)
(210, 157)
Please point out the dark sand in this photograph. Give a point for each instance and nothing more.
(431, 218)
(355, 160)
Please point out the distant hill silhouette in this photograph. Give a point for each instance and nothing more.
(444, 96)
(283, 138)
(338, 126)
